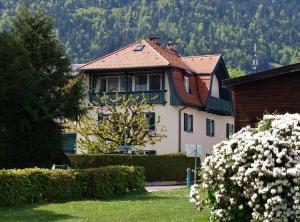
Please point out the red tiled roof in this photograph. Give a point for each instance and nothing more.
(202, 64)
(153, 55)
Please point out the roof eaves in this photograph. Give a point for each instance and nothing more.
(228, 83)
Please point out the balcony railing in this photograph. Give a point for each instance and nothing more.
(153, 97)
(219, 106)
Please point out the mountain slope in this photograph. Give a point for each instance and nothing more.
(92, 28)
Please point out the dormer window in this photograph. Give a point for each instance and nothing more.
(186, 84)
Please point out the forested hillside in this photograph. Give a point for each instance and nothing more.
(91, 28)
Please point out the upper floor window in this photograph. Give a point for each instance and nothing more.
(188, 122)
(210, 127)
(151, 82)
(155, 82)
(113, 84)
(186, 84)
(229, 130)
(140, 82)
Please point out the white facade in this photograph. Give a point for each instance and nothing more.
(173, 120)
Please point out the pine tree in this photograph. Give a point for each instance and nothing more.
(37, 89)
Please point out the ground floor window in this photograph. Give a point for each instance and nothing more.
(229, 130)
(188, 122)
(210, 127)
(151, 120)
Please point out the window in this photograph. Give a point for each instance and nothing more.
(186, 84)
(139, 48)
(100, 85)
(151, 120)
(113, 84)
(155, 82)
(123, 82)
(210, 127)
(140, 83)
(188, 123)
(229, 130)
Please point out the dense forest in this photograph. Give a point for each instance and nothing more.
(92, 28)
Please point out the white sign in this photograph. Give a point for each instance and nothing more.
(192, 150)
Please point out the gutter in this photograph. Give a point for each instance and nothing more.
(179, 130)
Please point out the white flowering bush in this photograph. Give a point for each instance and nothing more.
(255, 176)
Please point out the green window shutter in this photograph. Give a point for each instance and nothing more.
(213, 127)
(227, 130)
(151, 119)
(192, 122)
(207, 127)
(185, 122)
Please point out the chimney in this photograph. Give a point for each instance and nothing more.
(154, 39)
(172, 46)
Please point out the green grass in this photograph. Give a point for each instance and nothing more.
(169, 206)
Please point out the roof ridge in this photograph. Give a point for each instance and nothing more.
(113, 52)
(201, 55)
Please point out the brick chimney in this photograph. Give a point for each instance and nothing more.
(172, 46)
(154, 39)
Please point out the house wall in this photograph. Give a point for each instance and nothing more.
(198, 136)
(169, 116)
(279, 94)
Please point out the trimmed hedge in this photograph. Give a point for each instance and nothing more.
(170, 167)
(38, 185)
(107, 181)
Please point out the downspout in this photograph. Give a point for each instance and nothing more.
(179, 131)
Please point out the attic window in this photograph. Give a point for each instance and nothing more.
(139, 48)
(187, 84)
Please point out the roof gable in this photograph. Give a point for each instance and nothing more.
(127, 57)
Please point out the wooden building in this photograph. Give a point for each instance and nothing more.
(276, 90)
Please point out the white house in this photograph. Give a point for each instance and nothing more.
(186, 91)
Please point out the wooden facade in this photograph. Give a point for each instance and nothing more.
(272, 91)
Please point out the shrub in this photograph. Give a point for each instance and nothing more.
(157, 168)
(107, 181)
(35, 185)
(255, 176)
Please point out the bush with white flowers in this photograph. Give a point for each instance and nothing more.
(255, 176)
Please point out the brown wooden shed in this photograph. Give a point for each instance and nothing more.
(275, 90)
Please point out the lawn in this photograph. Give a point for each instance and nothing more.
(157, 207)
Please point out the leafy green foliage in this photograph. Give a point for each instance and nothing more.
(37, 90)
(233, 73)
(118, 121)
(90, 29)
(112, 180)
(36, 185)
(170, 167)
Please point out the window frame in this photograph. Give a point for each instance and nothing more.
(210, 127)
(188, 118)
(229, 130)
(152, 115)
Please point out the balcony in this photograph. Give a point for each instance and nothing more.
(153, 97)
(219, 106)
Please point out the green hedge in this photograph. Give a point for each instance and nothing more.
(157, 168)
(107, 181)
(37, 185)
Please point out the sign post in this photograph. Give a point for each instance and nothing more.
(193, 151)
